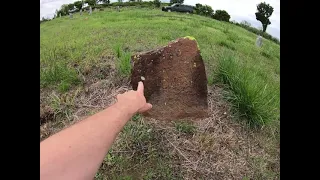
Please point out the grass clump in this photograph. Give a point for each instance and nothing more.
(256, 98)
(227, 45)
(57, 73)
(185, 127)
(123, 62)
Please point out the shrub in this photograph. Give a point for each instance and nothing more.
(221, 15)
(78, 4)
(176, 1)
(203, 10)
(253, 97)
(157, 3)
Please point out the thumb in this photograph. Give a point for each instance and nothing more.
(146, 107)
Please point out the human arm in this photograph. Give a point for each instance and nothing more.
(78, 151)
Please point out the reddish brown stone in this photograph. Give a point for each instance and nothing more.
(175, 81)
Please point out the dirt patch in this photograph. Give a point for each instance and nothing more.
(175, 80)
(46, 114)
(220, 148)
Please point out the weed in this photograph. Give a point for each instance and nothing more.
(226, 30)
(118, 51)
(185, 127)
(265, 54)
(136, 117)
(254, 98)
(64, 86)
(124, 64)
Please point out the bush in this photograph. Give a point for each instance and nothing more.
(176, 1)
(157, 3)
(221, 15)
(203, 10)
(255, 99)
(78, 4)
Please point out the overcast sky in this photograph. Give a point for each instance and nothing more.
(239, 10)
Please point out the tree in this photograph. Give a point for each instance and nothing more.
(104, 1)
(78, 4)
(263, 14)
(64, 10)
(176, 1)
(157, 3)
(91, 2)
(203, 10)
(221, 15)
(71, 6)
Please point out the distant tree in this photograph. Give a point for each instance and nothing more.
(64, 10)
(245, 23)
(91, 2)
(157, 3)
(203, 10)
(78, 4)
(176, 1)
(263, 14)
(104, 1)
(120, 1)
(221, 15)
(71, 6)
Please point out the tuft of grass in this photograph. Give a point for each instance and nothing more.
(227, 45)
(118, 51)
(256, 98)
(185, 127)
(136, 117)
(123, 63)
(265, 54)
(57, 73)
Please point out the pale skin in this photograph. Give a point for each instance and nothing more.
(78, 151)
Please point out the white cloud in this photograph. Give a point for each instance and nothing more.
(238, 9)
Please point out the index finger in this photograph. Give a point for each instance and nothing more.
(140, 88)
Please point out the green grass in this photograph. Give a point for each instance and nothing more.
(123, 64)
(138, 154)
(185, 127)
(84, 41)
(255, 95)
(59, 74)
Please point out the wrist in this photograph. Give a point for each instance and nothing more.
(124, 109)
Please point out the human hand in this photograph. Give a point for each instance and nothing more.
(133, 101)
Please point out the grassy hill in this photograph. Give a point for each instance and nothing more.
(83, 64)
